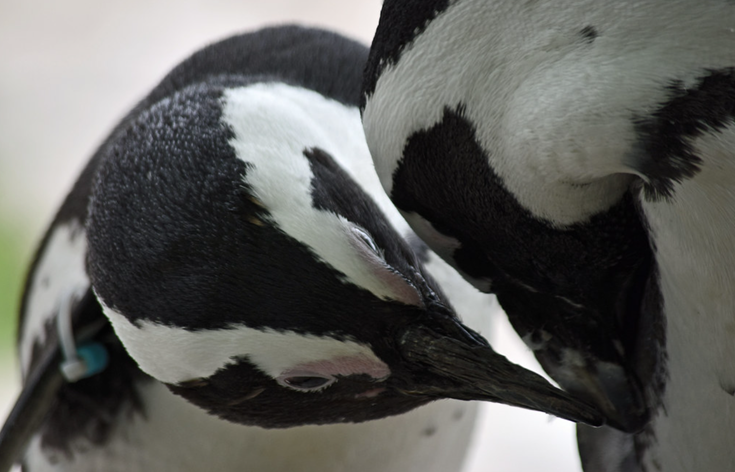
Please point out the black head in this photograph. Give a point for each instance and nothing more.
(241, 264)
(489, 130)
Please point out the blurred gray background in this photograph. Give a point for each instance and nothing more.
(70, 69)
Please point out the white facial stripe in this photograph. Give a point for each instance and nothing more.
(60, 270)
(550, 111)
(358, 364)
(273, 125)
(173, 355)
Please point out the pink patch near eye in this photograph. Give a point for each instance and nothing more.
(400, 288)
(347, 365)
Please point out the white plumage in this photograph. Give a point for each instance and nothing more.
(575, 106)
(272, 124)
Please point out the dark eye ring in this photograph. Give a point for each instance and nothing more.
(306, 383)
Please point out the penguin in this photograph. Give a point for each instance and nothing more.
(258, 300)
(575, 159)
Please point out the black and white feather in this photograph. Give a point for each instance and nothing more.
(233, 232)
(576, 159)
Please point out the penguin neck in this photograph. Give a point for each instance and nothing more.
(692, 237)
(174, 435)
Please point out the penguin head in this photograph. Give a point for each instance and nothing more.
(517, 139)
(517, 143)
(241, 265)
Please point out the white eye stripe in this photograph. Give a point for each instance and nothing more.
(273, 124)
(174, 355)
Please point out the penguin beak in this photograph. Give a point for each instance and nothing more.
(448, 360)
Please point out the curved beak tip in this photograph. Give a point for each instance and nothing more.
(465, 368)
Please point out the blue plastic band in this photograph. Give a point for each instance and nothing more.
(95, 357)
(78, 362)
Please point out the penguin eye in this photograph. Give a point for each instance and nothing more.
(306, 383)
(368, 240)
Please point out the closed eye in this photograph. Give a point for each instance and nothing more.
(368, 240)
(306, 383)
(380, 272)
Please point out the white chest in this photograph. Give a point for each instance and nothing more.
(695, 253)
(177, 436)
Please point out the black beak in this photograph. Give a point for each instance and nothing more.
(448, 360)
